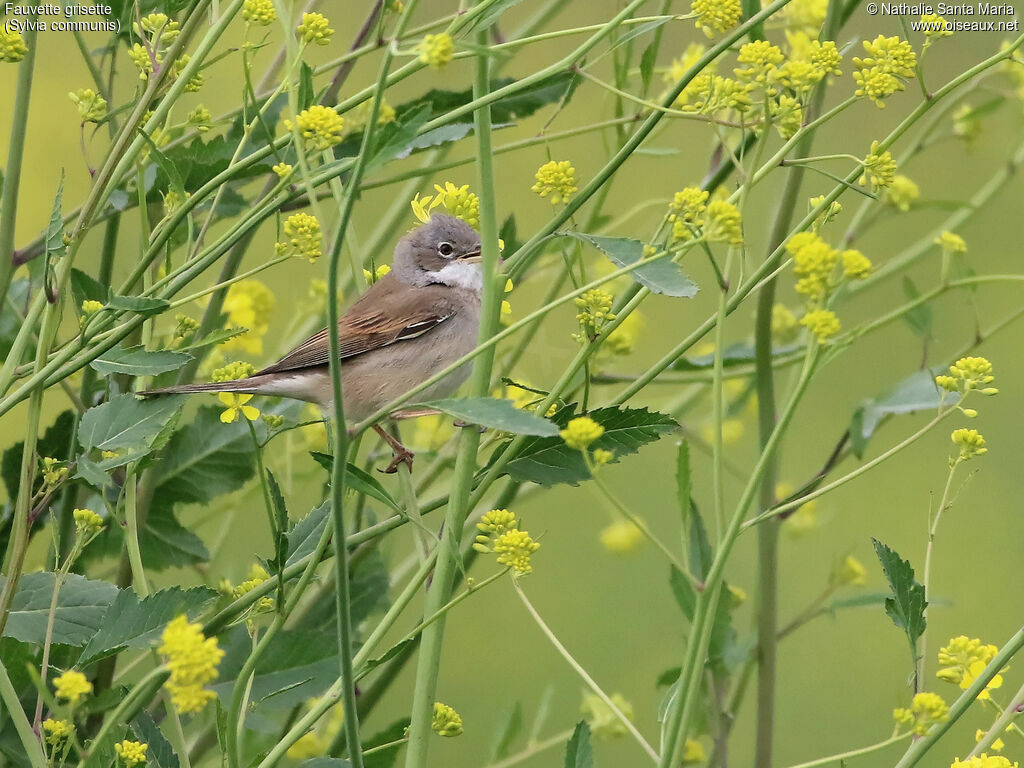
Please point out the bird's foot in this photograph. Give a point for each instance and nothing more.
(399, 457)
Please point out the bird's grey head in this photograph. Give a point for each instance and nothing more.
(443, 250)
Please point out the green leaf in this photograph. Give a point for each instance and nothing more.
(140, 305)
(659, 277)
(166, 543)
(159, 753)
(81, 605)
(907, 603)
(487, 18)
(548, 460)
(507, 734)
(134, 623)
(683, 481)
(578, 753)
(647, 61)
(326, 762)
(920, 318)
(358, 481)
(54, 444)
(303, 537)
(84, 288)
(55, 229)
(740, 353)
(218, 336)
(126, 425)
(917, 392)
(139, 361)
(306, 89)
(10, 323)
(496, 413)
(385, 758)
(398, 138)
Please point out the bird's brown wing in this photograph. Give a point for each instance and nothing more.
(381, 317)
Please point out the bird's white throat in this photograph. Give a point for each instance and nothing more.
(460, 274)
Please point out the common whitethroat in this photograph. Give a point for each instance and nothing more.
(416, 320)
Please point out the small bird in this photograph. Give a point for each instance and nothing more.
(413, 322)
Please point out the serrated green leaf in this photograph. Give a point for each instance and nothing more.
(134, 623)
(139, 361)
(85, 288)
(358, 481)
(917, 392)
(303, 537)
(907, 604)
(662, 276)
(81, 605)
(140, 305)
(548, 460)
(578, 752)
(159, 752)
(166, 543)
(496, 413)
(127, 426)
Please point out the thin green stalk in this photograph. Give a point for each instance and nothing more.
(428, 662)
(920, 747)
(28, 738)
(1000, 726)
(15, 153)
(137, 698)
(533, 749)
(132, 534)
(842, 757)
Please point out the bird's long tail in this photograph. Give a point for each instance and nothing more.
(254, 385)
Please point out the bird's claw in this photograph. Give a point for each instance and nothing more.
(397, 459)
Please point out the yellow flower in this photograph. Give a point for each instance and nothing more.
(192, 660)
(580, 432)
(693, 752)
(157, 25)
(91, 307)
(594, 313)
(957, 658)
(686, 211)
(889, 62)
(436, 50)
(497, 522)
(784, 324)
(622, 340)
(248, 304)
(72, 686)
(934, 28)
(233, 371)
(850, 572)
(967, 374)
(984, 761)
(879, 168)
(833, 210)
(320, 126)
(457, 201)
(715, 16)
(722, 223)
(951, 243)
(621, 536)
(57, 731)
(259, 12)
(91, 106)
(806, 15)
(131, 752)
(902, 193)
(823, 323)
(200, 117)
(603, 722)
(87, 522)
(970, 443)
(314, 29)
(855, 264)
(997, 745)
(514, 549)
(302, 237)
(377, 274)
(813, 262)
(12, 46)
(140, 58)
(272, 420)
(787, 114)
(54, 473)
(447, 721)
(257, 575)
(556, 178)
(761, 59)
(926, 709)
(282, 170)
(236, 404)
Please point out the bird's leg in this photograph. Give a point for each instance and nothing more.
(400, 454)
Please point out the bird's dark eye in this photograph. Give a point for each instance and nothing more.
(446, 249)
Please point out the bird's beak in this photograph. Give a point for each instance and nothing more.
(473, 257)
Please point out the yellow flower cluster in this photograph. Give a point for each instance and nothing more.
(321, 127)
(248, 304)
(970, 443)
(436, 50)
(580, 432)
(998, 744)
(257, 575)
(925, 710)
(761, 60)
(686, 211)
(934, 27)
(233, 371)
(377, 274)
(281, 170)
(902, 193)
(850, 572)
(235, 406)
(950, 242)
(132, 753)
(603, 722)
(716, 16)
(91, 106)
(54, 473)
(302, 238)
(822, 323)
(556, 178)
(447, 722)
(622, 340)
(963, 660)
(200, 117)
(879, 168)
(594, 312)
(968, 374)
(192, 660)
(57, 731)
(72, 686)
(140, 58)
(158, 26)
(91, 307)
(12, 46)
(889, 62)
(259, 12)
(723, 224)
(788, 115)
(814, 261)
(621, 536)
(984, 761)
(456, 201)
(784, 324)
(87, 522)
(500, 535)
(314, 29)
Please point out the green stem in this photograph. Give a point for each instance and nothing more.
(533, 749)
(842, 757)
(1002, 723)
(29, 740)
(132, 534)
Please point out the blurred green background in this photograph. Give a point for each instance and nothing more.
(840, 677)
